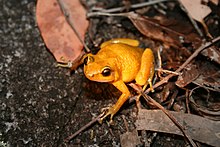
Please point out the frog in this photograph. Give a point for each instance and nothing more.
(120, 61)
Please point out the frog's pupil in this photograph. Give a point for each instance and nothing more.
(106, 72)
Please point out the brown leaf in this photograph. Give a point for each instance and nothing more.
(215, 1)
(189, 74)
(196, 9)
(130, 139)
(58, 36)
(213, 53)
(153, 28)
(210, 110)
(175, 34)
(209, 76)
(202, 73)
(199, 128)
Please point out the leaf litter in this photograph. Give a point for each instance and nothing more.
(175, 38)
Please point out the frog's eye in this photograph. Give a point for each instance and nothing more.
(88, 59)
(106, 71)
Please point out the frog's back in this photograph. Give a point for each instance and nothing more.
(128, 59)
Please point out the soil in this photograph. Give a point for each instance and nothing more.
(40, 104)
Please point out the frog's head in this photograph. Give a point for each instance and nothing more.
(100, 70)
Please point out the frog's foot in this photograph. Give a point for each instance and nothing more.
(108, 111)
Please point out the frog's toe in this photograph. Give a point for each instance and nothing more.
(106, 109)
(109, 111)
(151, 86)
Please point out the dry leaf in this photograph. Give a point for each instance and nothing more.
(153, 28)
(189, 74)
(210, 110)
(130, 139)
(209, 76)
(198, 128)
(204, 74)
(215, 1)
(58, 36)
(196, 10)
(176, 34)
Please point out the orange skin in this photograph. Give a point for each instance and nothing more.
(120, 61)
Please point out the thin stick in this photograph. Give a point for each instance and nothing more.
(70, 22)
(172, 118)
(134, 6)
(92, 14)
(202, 47)
(165, 80)
(83, 128)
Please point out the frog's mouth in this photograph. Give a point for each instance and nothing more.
(104, 80)
(98, 78)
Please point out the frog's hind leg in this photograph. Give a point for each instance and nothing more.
(127, 41)
(146, 72)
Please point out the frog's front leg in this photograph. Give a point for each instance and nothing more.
(120, 85)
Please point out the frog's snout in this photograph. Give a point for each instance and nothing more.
(89, 74)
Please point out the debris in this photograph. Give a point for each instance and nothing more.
(130, 139)
(199, 128)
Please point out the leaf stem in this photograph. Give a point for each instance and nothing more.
(66, 14)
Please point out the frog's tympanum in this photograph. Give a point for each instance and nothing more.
(120, 61)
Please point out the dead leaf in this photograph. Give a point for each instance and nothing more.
(153, 28)
(130, 139)
(215, 1)
(58, 36)
(204, 74)
(196, 9)
(213, 53)
(199, 128)
(209, 76)
(212, 111)
(176, 34)
(189, 74)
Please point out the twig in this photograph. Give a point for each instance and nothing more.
(70, 22)
(165, 80)
(134, 6)
(166, 71)
(202, 47)
(83, 128)
(92, 14)
(173, 119)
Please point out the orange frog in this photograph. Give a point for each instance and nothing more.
(120, 61)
